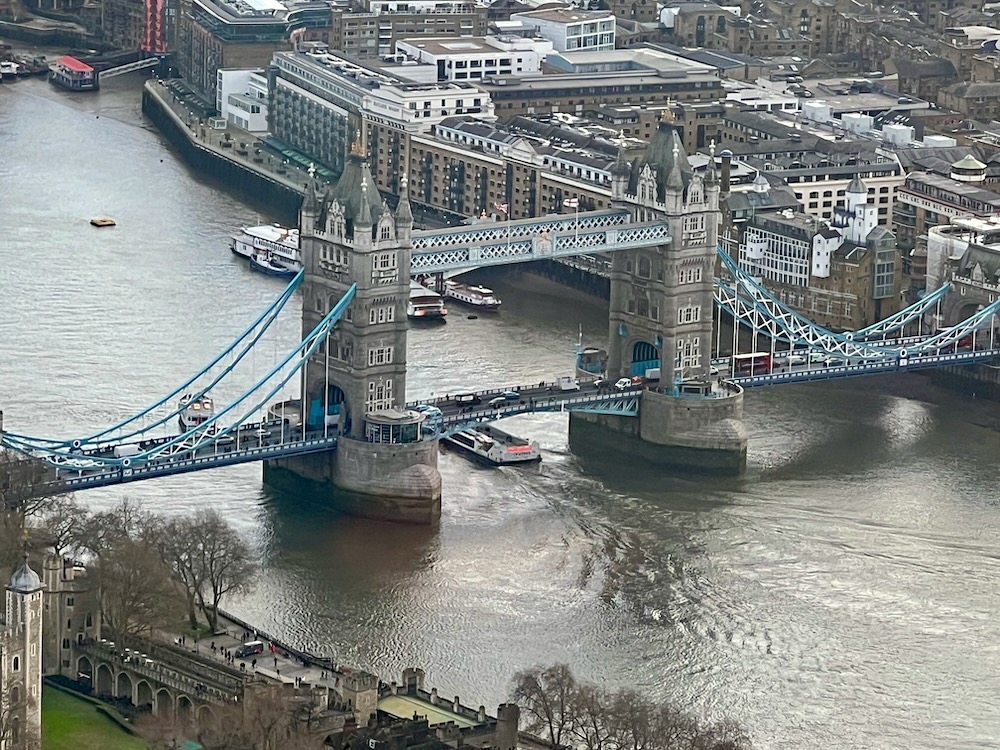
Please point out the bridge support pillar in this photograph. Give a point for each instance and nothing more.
(372, 480)
(702, 435)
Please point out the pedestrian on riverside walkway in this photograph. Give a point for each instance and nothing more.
(275, 662)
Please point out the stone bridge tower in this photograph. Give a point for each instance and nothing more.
(662, 301)
(355, 386)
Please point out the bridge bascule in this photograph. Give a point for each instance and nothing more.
(354, 435)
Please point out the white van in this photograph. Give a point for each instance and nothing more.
(124, 451)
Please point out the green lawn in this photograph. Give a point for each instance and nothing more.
(70, 723)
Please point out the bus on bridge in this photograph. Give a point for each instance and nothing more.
(755, 363)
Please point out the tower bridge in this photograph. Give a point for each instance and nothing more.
(355, 437)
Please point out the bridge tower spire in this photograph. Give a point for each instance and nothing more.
(660, 314)
(355, 386)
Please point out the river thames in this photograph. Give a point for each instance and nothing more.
(843, 594)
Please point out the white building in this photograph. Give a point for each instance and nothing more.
(241, 98)
(790, 248)
(21, 662)
(473, 58)
(572, 30)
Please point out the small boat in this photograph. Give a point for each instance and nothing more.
(475, 296)
(425, 304)
(103, 221)
(494, 447)
(264, 262)
(281, 243)
(195, 411)
(8, 70)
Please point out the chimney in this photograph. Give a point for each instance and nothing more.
(727, 171)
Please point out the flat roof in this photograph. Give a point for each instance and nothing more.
(565, 15)
(73, 64)
(405, 706)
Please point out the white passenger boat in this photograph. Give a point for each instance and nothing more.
(282, 244)
(495, 447)
(425, 304)
(476, 296)
(196, 411)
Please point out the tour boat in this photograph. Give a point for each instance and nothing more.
(263, 262)
(476, 296)
(103, 221)
(72, 74)
(281, 243)
(495, 447)
(196, 410)
(425, 304)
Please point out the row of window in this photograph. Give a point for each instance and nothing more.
(379, 395)
(380, 355)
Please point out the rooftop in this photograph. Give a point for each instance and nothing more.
(408, 706)
(565, 15)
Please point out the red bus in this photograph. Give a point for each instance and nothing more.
(756, 363)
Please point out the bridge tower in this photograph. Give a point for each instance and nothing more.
(662, 300)
(355, 386)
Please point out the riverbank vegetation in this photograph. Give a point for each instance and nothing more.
(570, 713)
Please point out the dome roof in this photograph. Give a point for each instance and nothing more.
(25, 580)
(970, 162)
(857, 187)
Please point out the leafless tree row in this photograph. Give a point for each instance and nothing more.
(582, 716)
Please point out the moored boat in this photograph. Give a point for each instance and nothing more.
(475, 296)
(281, 243)
(8, 70)
(72, 74)
(494, 447)
(263, 262)
(425, 304)
(103, 221)
(196, 410)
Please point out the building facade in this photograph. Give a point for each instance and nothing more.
(572, 30)
(214, 34)
(475, 58)
(844, 275)
(241, 97)
(21, 661)
(374, 32)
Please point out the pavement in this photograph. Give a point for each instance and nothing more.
(279, 666)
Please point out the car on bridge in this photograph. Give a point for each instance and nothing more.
(497, 402)
(511, 395)
(624, 384)
(796, 359)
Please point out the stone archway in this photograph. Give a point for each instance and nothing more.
(205, 715)
(645, 356)
(85, 672)
(163, 703)
(143, 695)
(184, 706)
(123, 687)
(105, 680)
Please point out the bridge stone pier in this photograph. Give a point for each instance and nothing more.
(356, 384)
(661, 317)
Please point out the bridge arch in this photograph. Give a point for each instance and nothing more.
(124, 686)
(333, 400)
(105, 680)
(645, 356)
(143, 694)
(85, 671)
(163, 703)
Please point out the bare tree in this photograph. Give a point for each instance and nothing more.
(226, 563)
(23, 493)
(581, 715)
(591, 726)
(59, 524)
(137, 593)
(180, 547)
(545, 695)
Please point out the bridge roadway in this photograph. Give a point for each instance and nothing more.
(248, 443)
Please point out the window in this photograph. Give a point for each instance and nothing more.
(16, 664)
(65, 643)
(384, 268)
(379, 395)
(645, 267)
(381, 314)
(380, 355)
(689, 314)
(69, 601)
(689, 275)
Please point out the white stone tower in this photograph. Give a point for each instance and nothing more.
(21, 662)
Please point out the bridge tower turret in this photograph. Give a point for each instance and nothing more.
(660, 314)
(355, 386)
